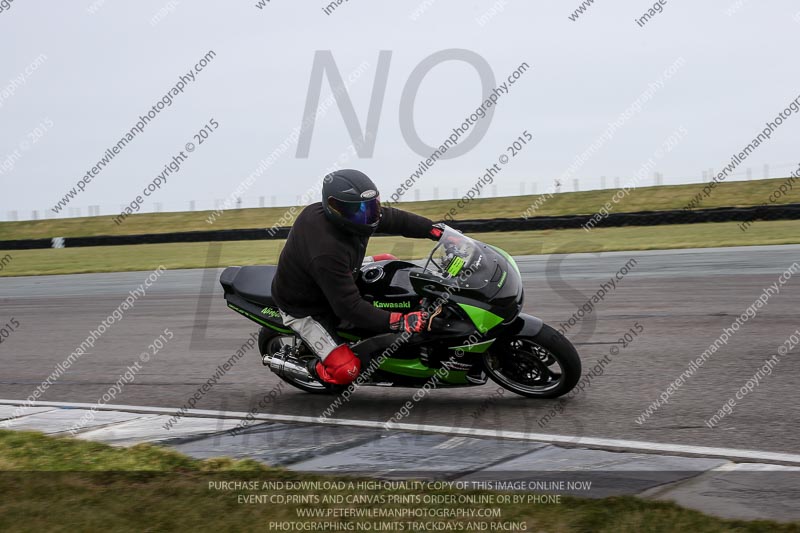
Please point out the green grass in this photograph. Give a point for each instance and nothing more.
(59, 484)
(743, 193)
(196, 255)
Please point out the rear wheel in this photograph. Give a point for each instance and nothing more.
(545, 365)
(271, 342)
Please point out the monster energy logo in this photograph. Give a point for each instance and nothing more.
(393, 305)
(270, 312)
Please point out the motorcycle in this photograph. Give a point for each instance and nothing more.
(473, 293)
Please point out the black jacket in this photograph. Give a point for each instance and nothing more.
(318, 266)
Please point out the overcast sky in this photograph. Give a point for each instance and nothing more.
(99, 71)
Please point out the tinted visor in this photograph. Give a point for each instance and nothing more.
(366, 212)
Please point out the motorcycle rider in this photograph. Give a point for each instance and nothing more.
(315, 283)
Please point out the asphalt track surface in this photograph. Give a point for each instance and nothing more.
(682, 298)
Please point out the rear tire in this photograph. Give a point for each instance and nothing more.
(524, 365)
(270, 342)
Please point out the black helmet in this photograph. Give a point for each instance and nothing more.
(351, 201)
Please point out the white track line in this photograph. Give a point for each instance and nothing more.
(573, 441)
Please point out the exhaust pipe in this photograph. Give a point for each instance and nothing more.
(289, 368)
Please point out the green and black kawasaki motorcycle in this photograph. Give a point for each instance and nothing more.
(474, 293)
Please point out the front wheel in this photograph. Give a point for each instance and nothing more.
(545, 365)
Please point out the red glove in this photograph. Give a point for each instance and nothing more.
(340, 367)
(412, 322)
(436, 232)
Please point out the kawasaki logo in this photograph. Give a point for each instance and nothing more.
(393, 305)
(502, 280)
(270, 312)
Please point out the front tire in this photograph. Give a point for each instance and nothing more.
(545, 365)
(270, 342)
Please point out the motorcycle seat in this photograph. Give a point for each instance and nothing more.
(253, 283)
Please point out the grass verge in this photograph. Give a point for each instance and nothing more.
(197, 255)
(59, 484)
(726, 194)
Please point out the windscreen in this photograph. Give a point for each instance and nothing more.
(460, 260)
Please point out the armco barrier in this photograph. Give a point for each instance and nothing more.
(641, 218)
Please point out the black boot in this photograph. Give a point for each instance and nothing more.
(311, 366)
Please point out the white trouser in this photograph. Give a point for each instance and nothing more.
(313, 334)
